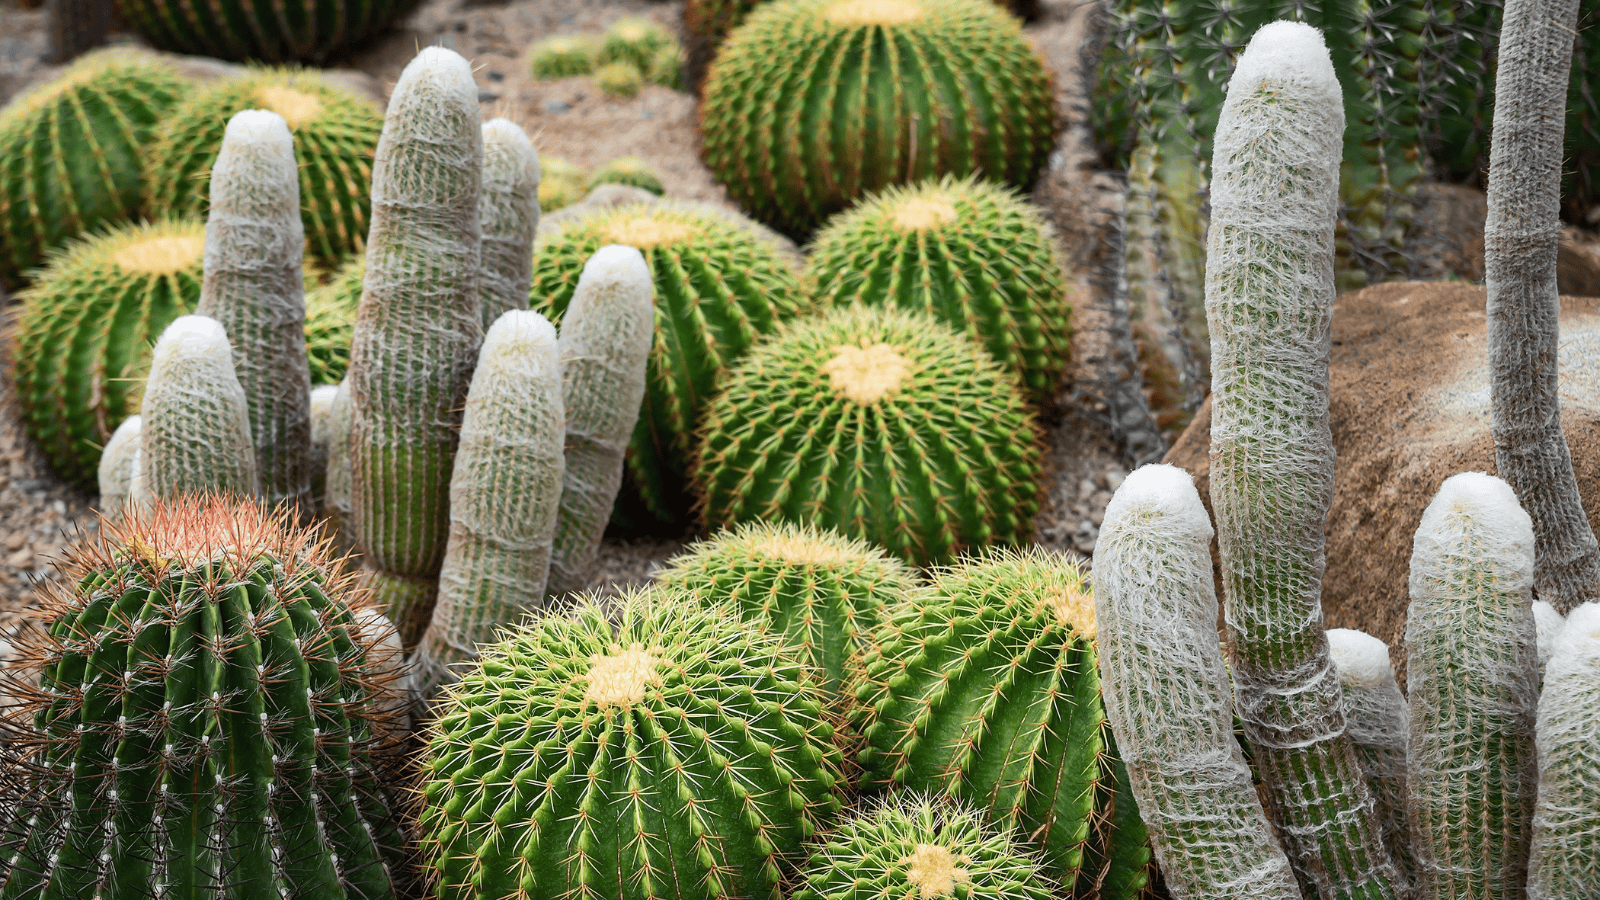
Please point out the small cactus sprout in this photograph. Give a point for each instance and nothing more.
(505, 490)
(563, 56)
(633, 40)
(336, 502)
(254, 286)
(620, 79)
(322, 397)
(116, 469)
(631, 171)
(1379, 722)
(826, 593)
(561, 183)
(1549, 624)
(508, 211)
(649, 746)
(196, 422)
(1564, 863)
(986, 686)
(1472, 666)
(921, 847)
(605, 343)
(417, 331)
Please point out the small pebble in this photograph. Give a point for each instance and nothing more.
(495, 75)
(556, 107)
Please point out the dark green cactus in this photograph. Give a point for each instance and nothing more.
(206, 724)
(283, 31)
(987, 686)
(656, 749)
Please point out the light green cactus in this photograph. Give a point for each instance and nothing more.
(1167, 694)
(1473, 674)
(1564, 861)
(195, 436)
(116, 469)
(1379, 722)
(1269, 300)
(605, 343)
(505, 490)
(620, 79)
(508, 212)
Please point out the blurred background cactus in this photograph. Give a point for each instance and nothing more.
(292, 30)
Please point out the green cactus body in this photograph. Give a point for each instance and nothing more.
(718, 287)
(116, 469)
(335, 135)
(880, 423)
(1379, 722)
(283, 31)
(195, 436)
(70, 153)
(826, 593)
(1269, 299)
(921, 848)
(253, 285)
(664, 750)
(1473, 674)
(620, 79)
(563, 56)
(205, 724)
(986, 686)
(631, 171)
(508, 211)
(969, 252)
(813, 104)
(633, 40)
(1564, 861)
(504, 493)
(561, 183)
(417, 330)
(1167, 693)
(605, 343)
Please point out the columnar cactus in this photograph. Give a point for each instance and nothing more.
(336, 498)
(508, 212)
(1472, 668)
(1564, 862)
(417, 331)
(1167, 693)
(195, 436)
(205, 723)
(1548, 624)
(504, 493)
(253, 285)
(691, 755)
(1269, 299)
(1379, 722)
(116, 469)
(321, 407)
(604, 344)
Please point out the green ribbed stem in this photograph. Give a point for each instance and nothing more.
(195, 437)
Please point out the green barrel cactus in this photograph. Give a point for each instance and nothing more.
(1473, 674)
(666, 67)
(561, 183)
(195, 434)
(827, 594)
(205, 724)
(631, 171)
(1564, 860)
(986, 686)
(1167, 694)
(412, 355)
(563, 56)
(813, 104)
(116, 469)
(284, 31)
(718, 288)
(921, 847)
(659, 749)
(335, 135)
(970, 252)
(71, 151)
(633, 40)
(880, 423)
(504, 493)
(620, 79)
(1379, 722)
(508, 212)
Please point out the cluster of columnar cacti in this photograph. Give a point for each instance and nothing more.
(290, 30)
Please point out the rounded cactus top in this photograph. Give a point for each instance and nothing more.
(1362, 659)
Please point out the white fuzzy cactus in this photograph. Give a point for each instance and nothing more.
(1167, 696)
(1379, 723)
(116, 469)
(336, 483)
(196, 425)
(605, 342)
(1549, 624)
(1564, 860)
(508, 210)
(321, 408)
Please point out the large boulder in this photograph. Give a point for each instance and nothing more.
(1410, 408)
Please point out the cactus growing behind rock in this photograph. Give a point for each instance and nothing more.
(508, 212)
(660, 748)
(205, 723)
(1564, 861)
(986, 686)
(195, 433)
(288, 30)
(814, 103)
(71, 149)
(505, 489)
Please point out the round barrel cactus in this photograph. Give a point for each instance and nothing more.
(987, 686)
(70, 152)
(658, 748)
(561, 183)
(813, 103)
(633, 40)
(631, 171)
(563, 56)
(881, 423)
(207, 723)
(283, 31)
(335, 134)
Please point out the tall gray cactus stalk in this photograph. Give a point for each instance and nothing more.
(1269, 301)
(417, 331)
(1519, 252)
(509, 212)
(196, 423)
(1564, 861)
(116, 469)
(605, 345)
(1167, 695)
(253, 285)
(1472, 653)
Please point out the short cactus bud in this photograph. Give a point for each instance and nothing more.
(196, 423)
(116, 469)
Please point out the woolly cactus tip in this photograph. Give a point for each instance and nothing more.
(620, 263)
(192, 337)
(1488, 501)
(515, 335)
(446, 68)
(1579, 633)
(1549, 623)
(1160, 490)
(512, 141)
(322, 400)
(1286, 51)
(1362, 660)
(258, 128)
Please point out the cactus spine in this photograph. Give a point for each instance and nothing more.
(504, 493)
(116, 469)
(508, 211)
(417, 331)
(254, 286)
(1564, 862)
(1379, 722)
(1472, 654)
(1269, 299)
(196, 429)
(605, 343)
(1167, 694)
